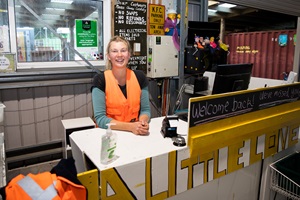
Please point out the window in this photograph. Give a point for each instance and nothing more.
(59, 33)
(4, 30)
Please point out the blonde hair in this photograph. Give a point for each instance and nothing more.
(116, 39)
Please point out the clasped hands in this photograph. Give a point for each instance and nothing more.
(140, 128)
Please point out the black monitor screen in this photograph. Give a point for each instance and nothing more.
(232, 77)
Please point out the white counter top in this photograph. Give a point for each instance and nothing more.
(130, 147)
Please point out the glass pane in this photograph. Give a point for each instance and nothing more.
(59, 30)
(4, 31)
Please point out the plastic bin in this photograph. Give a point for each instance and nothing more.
(285, 176)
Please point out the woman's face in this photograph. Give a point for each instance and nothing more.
(118, 54)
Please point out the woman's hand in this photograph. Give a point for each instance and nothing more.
(140, 128)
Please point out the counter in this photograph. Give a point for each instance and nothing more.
(130, 148)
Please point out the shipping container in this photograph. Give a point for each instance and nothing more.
(271, 52)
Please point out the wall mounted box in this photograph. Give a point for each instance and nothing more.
(71, 125)
(162, 57)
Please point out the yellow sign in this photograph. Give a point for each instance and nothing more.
(175, 172)
(267, 119)
(156, 19)
(216, 147)
(155, 29)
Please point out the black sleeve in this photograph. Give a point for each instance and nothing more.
(99, 82)
(141, 77)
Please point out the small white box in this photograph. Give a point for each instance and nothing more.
(71, 125)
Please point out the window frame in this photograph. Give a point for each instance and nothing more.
(59, 66)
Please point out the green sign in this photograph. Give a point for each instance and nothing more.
(86, 33)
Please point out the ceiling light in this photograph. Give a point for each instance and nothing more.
(62, 1)
(211, 10)
(49, 14)
(56, 9)
(227, 5)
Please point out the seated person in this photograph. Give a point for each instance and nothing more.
(120, 95)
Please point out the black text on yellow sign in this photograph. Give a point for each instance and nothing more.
(156, 19)
(155, 29)
(156, 14)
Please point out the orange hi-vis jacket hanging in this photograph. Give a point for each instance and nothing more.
(43, 186)
(117, 106)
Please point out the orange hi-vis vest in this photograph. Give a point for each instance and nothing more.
(43, 186)
(117, 106)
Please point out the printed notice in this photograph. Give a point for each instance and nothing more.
(86, 33)
(156, 19)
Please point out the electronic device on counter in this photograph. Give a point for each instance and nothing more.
(169, 126)
(169, 129)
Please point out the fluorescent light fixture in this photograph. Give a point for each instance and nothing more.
(211, 10)
(56, 9)
(62, 1)
(48, 14)
(227, 5)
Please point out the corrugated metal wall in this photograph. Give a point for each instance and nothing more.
(269, 58)
(33, 115)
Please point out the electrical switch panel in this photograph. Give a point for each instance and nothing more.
(162, 57)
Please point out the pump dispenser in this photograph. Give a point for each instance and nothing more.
(109, 144)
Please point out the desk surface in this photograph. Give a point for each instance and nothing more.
(130, 147)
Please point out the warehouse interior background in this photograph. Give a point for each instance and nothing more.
(36, 102)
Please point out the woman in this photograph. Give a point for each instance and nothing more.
(120, 95)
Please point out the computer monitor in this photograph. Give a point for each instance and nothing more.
(232, 77)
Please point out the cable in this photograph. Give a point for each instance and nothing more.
(155, 106)
(179, 98)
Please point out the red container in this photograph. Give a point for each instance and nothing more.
(271, 52)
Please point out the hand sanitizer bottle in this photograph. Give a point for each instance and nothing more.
(109, 144)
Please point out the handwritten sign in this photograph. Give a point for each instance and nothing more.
(212, 109)
(156, 19)
(130, 22)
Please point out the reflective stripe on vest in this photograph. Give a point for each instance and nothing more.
(34, 191)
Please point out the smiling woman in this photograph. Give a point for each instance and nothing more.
(120, 95)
